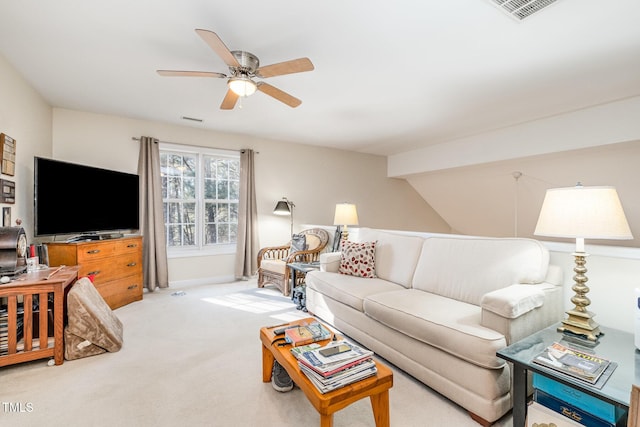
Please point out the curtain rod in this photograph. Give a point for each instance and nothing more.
(194, 145)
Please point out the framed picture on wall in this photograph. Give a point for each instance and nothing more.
(7, 191)
(6, 217)
(7, 155)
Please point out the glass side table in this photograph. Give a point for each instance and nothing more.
(617, 346)
(297, 268)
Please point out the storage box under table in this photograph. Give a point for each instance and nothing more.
(583, 401)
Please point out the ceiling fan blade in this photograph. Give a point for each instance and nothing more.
(218, 47)
(278, 94)
(229, 100)
(176, 73)
(288, 67)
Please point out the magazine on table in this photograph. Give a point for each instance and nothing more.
(297, 351)
(350, 376)
(575, 363)
(306, 334)
(336, 364)
(316, 359)
(345, 372)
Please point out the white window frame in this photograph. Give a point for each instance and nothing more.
(200, 249)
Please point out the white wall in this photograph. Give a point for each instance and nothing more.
(314, 178)
(25, 117)
(497, 202)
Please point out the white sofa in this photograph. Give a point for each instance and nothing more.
(440, 307)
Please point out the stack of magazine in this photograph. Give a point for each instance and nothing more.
(575, 363)
(335, 365)
(4, 328)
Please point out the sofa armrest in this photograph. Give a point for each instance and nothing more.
(330, 261)
(517, 311)
(513, 301)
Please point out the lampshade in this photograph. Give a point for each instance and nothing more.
(282, 208)
(242, 86)
(583, 212)
(346, 214)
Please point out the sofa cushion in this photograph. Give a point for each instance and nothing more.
(349, 290)
(396, 254)
(358, 259)
(450, 325)
(465, 268)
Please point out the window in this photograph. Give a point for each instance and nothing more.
(200, 193)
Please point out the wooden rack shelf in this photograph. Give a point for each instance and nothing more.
(26, 334)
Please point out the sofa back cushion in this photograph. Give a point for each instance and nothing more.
(466, 268)
(396, 255)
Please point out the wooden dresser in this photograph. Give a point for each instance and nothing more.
(115, 264)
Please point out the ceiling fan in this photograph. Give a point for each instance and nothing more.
(243, 68)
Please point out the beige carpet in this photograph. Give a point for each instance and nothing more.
(193, 359)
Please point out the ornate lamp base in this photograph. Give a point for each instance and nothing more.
(580, 323)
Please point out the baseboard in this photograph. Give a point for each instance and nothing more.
(215, 280)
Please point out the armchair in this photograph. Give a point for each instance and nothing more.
(272, 261)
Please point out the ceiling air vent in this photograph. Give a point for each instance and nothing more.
(521, 9)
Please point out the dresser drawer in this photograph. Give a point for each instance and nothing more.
(113, 268)
(122, 291)
(91, 251)
(128, 245)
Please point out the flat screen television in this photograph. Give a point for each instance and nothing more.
(71, 198)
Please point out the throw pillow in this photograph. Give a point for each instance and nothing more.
(358, 259)
(298, 243)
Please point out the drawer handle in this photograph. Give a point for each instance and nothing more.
(132, 264)
(132, 287)
(93, 273)
(133, 245)
(95, 251)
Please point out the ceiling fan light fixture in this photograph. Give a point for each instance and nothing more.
(242, 86)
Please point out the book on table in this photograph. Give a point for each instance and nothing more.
(331, 372)
(579, 415)
(306, 334)
(575, 363)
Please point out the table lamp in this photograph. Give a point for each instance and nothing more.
(346, 214)
(285, 207)
(582, 213)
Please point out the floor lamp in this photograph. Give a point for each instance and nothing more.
(285, 207)
(582, 213)
(346, 214)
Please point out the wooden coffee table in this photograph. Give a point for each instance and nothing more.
(376, 388)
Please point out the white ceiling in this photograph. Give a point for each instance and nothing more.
(390, 76)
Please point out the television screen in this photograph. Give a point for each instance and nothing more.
(75, 199)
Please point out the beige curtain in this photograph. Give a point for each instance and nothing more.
(154, 253)
(247, 246)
